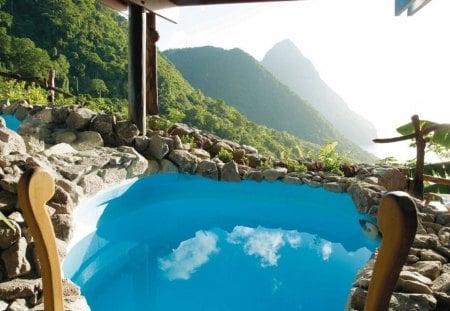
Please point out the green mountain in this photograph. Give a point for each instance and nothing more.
(245, 84)
(287, 63)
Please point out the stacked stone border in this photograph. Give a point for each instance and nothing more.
(87, 152)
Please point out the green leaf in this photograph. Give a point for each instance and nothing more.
(408, 128)
(6, 221)
(442, 137)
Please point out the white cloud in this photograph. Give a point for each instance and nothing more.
(264, 243)
(189, 256)
(327, 249)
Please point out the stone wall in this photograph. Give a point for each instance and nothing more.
(86, 152)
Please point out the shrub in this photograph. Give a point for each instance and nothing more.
(225, 155)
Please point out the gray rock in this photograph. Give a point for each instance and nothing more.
(181, 130)
(4, 103)
(8, 236)
(104, 124)
(113, 175)
(20, 288)
(9, 183)
(3, 305)
(430, 255)
(11, 108)
(60, 114)
(392, 179)
(88, 140)
(61, 201)
(153, 167)
(14, 259)
(62, 224)
(22, 111)
(443, 301)
(208, 168)
(362, 196)
(65, 136)
(33, 144)
(292, 180)
(219, 146)
(138, 165)
(276, 173)
(2, 122)
(11, 142)
(443, 219)
(126, 132)
(337, 187)
(412, 302)
(442, 283)
(200, 153)
(184, 160)
(230, 172)
(59, 149)
(141, 143)
(429, 269)
(44, 115)
(159, 147)
(254, 175)
(91, 184)
(18, 305)
(168, 167)
(79, 119)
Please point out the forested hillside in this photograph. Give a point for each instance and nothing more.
(245, 84)
(85, 41)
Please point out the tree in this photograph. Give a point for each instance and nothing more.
(98, 87)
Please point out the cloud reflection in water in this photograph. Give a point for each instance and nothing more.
(263, 243)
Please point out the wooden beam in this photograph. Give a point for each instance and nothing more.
(136, 66)
(152, 67)
(397, 221)
(34, 189)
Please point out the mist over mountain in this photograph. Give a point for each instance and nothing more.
(286, 62)
(245, 84)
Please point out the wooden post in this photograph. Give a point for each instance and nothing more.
(420, 158)
(152, 68)
(51, 84)
(34, 190)
(136, 66)
(397, 221)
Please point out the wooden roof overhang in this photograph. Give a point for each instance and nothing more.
(142, 36)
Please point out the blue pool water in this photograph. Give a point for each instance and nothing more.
(11, 122)
(179, 242)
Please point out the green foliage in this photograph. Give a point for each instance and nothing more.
(438, 139)
(331, 160)
(187, 139)
(14, 91)
(98, 87)
(295, 166)
(225, 155)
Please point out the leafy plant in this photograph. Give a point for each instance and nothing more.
(331, 160)
(296, 166)
(225, 155)
(14, 90)
(266, 163)
(187, 139)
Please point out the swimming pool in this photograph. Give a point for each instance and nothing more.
(11, 122)
(181, 242)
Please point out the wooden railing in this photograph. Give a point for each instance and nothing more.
(397, 221)
(36, 187)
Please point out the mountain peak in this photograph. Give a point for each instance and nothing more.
(285, 61)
